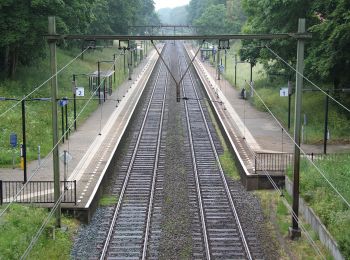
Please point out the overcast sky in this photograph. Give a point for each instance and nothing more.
(169, 3)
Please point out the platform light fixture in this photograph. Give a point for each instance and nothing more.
(224, 44)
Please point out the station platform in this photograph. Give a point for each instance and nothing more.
(91, 147)
(256, 139)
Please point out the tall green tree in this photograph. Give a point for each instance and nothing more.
(327, 55)
(24, 22)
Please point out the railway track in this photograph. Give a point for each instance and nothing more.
(129, 230)
(136, 226)
(222, 232)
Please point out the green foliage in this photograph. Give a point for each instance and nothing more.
(216, 16)
(333, 212)
(108, 200)
(23, 24)
(21, 223)
(38, 113)
(327, 54)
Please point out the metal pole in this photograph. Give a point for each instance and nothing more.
(326, 123)
(55, 154)
(235, 69)
(218, 64)
(24, 147)
(295, 230)
(124, 62)
(62, 123)
(225, 59)
(98, 82)
(74, 103)
(66, 114)
(130, 64)
(251, 73)
(289, 108)
(114, 68)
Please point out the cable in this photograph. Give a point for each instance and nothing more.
(275, 186)
(324, 92)
(54, 208)
(42, 84)
(303, 152)
(51, 151)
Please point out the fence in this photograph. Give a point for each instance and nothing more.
(36, 192)
(279, 162)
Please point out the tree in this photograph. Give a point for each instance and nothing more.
(327, 55)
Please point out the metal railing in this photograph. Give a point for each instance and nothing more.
(36, 192)
(279, 162)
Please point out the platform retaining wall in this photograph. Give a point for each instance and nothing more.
(316, 224)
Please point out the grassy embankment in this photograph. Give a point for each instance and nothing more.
(38, 113)
(20, 224)
(333, 212)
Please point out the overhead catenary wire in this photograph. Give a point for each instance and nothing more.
(55, 206)
(45, 160)
(275, 186)
(42, 84)
(307, 79)
(302, 151)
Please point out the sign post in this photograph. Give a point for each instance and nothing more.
(13, 143)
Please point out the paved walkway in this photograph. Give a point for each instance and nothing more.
(259, 129)
(95, 139)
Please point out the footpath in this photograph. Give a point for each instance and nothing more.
(93, 144)
(258, 129)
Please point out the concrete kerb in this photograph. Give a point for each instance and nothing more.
(85, 213)
(250, 181)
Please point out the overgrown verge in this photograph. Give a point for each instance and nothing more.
(279, 219)
(333, 212)
(38, 113)
(20, 224)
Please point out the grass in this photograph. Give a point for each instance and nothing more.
(226, 158)
(108, 200)
(312, 105)
(276, 211)
(333, 212)
(20, 224)
(38, 113)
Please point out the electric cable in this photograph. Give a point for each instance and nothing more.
(307, 79)
(42, 84)
(46, 221)
(45, 160)
(303, 152)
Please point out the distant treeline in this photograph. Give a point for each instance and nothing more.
(24, 22)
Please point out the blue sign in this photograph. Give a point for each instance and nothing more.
(13, 140)
(63, 102)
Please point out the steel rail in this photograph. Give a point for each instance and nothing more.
(155, 170)
(194, 163)
(227, 189)
(125, 183)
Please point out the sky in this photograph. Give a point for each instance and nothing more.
(169, 3)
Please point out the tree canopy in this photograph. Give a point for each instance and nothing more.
(327, 54)
(216, 16)
(23, 23)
